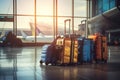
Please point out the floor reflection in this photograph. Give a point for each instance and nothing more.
(8, 63)
(23, 64)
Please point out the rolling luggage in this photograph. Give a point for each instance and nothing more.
(48, 53)
(80, 50)
(101, 53)
(65, 55)
(44, 53)
(67, 50)
(85, 50)
(101, 50)
(74, 57)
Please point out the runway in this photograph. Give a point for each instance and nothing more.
(23, 64)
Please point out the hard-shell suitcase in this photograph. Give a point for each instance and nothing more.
(48, 53)
(67, 50)
(44, 53)
(63, 46)
(101, 53)
(80, 50)
(75, 51)
(101, 50)
(68, 45)
(85, 50)
(88, 51)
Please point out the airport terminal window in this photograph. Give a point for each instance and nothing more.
(80, 8)
(6, 17)
(25, 7)
(100, 5)
(6, 6)
(24, 28)
(44, 29)
(64, 12)
(112, 4)
(44, 7)
(5, 27)
(44, 14)
(62, 24)
(64, 7)
(104, 5)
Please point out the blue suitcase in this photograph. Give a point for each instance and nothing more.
(44, 53)
(80, 50)
(87, 50)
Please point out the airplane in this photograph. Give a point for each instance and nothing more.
(41, 37)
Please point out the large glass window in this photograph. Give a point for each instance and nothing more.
(25, 7)
(6, 6)
(24, 28)
(104, 5)
(64, 7)
(100, 6)
(45, 7)
(6, 16)
(5, 27)
(80, 8)
(44, 29)
(46, 18)
(112, 3)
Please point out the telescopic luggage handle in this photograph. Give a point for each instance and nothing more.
(67, 20)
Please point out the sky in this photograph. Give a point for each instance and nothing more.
(44, 8)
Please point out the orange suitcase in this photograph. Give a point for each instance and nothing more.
(101, 53)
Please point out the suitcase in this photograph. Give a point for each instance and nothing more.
(63, 45)
(67, 50)
(101, 53)
(85, 50)
(75, 51)
(68, 45)
(48, 53)
(80, 50)
(44, 53)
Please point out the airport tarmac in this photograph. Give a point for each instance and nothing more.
(23, 64)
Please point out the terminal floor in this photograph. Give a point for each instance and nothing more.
(23, 64)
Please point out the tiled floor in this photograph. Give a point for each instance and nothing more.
(23, 64)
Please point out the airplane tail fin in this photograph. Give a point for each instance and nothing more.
(38, 31)
(32, 29)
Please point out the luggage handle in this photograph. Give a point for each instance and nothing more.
(67, 20)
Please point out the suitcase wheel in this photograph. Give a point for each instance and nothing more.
(46, 63)
(105, 61)
(41, 62)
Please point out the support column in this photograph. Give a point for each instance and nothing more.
(56, 18)
(73, 16)
(15, 17)
(35, 19)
